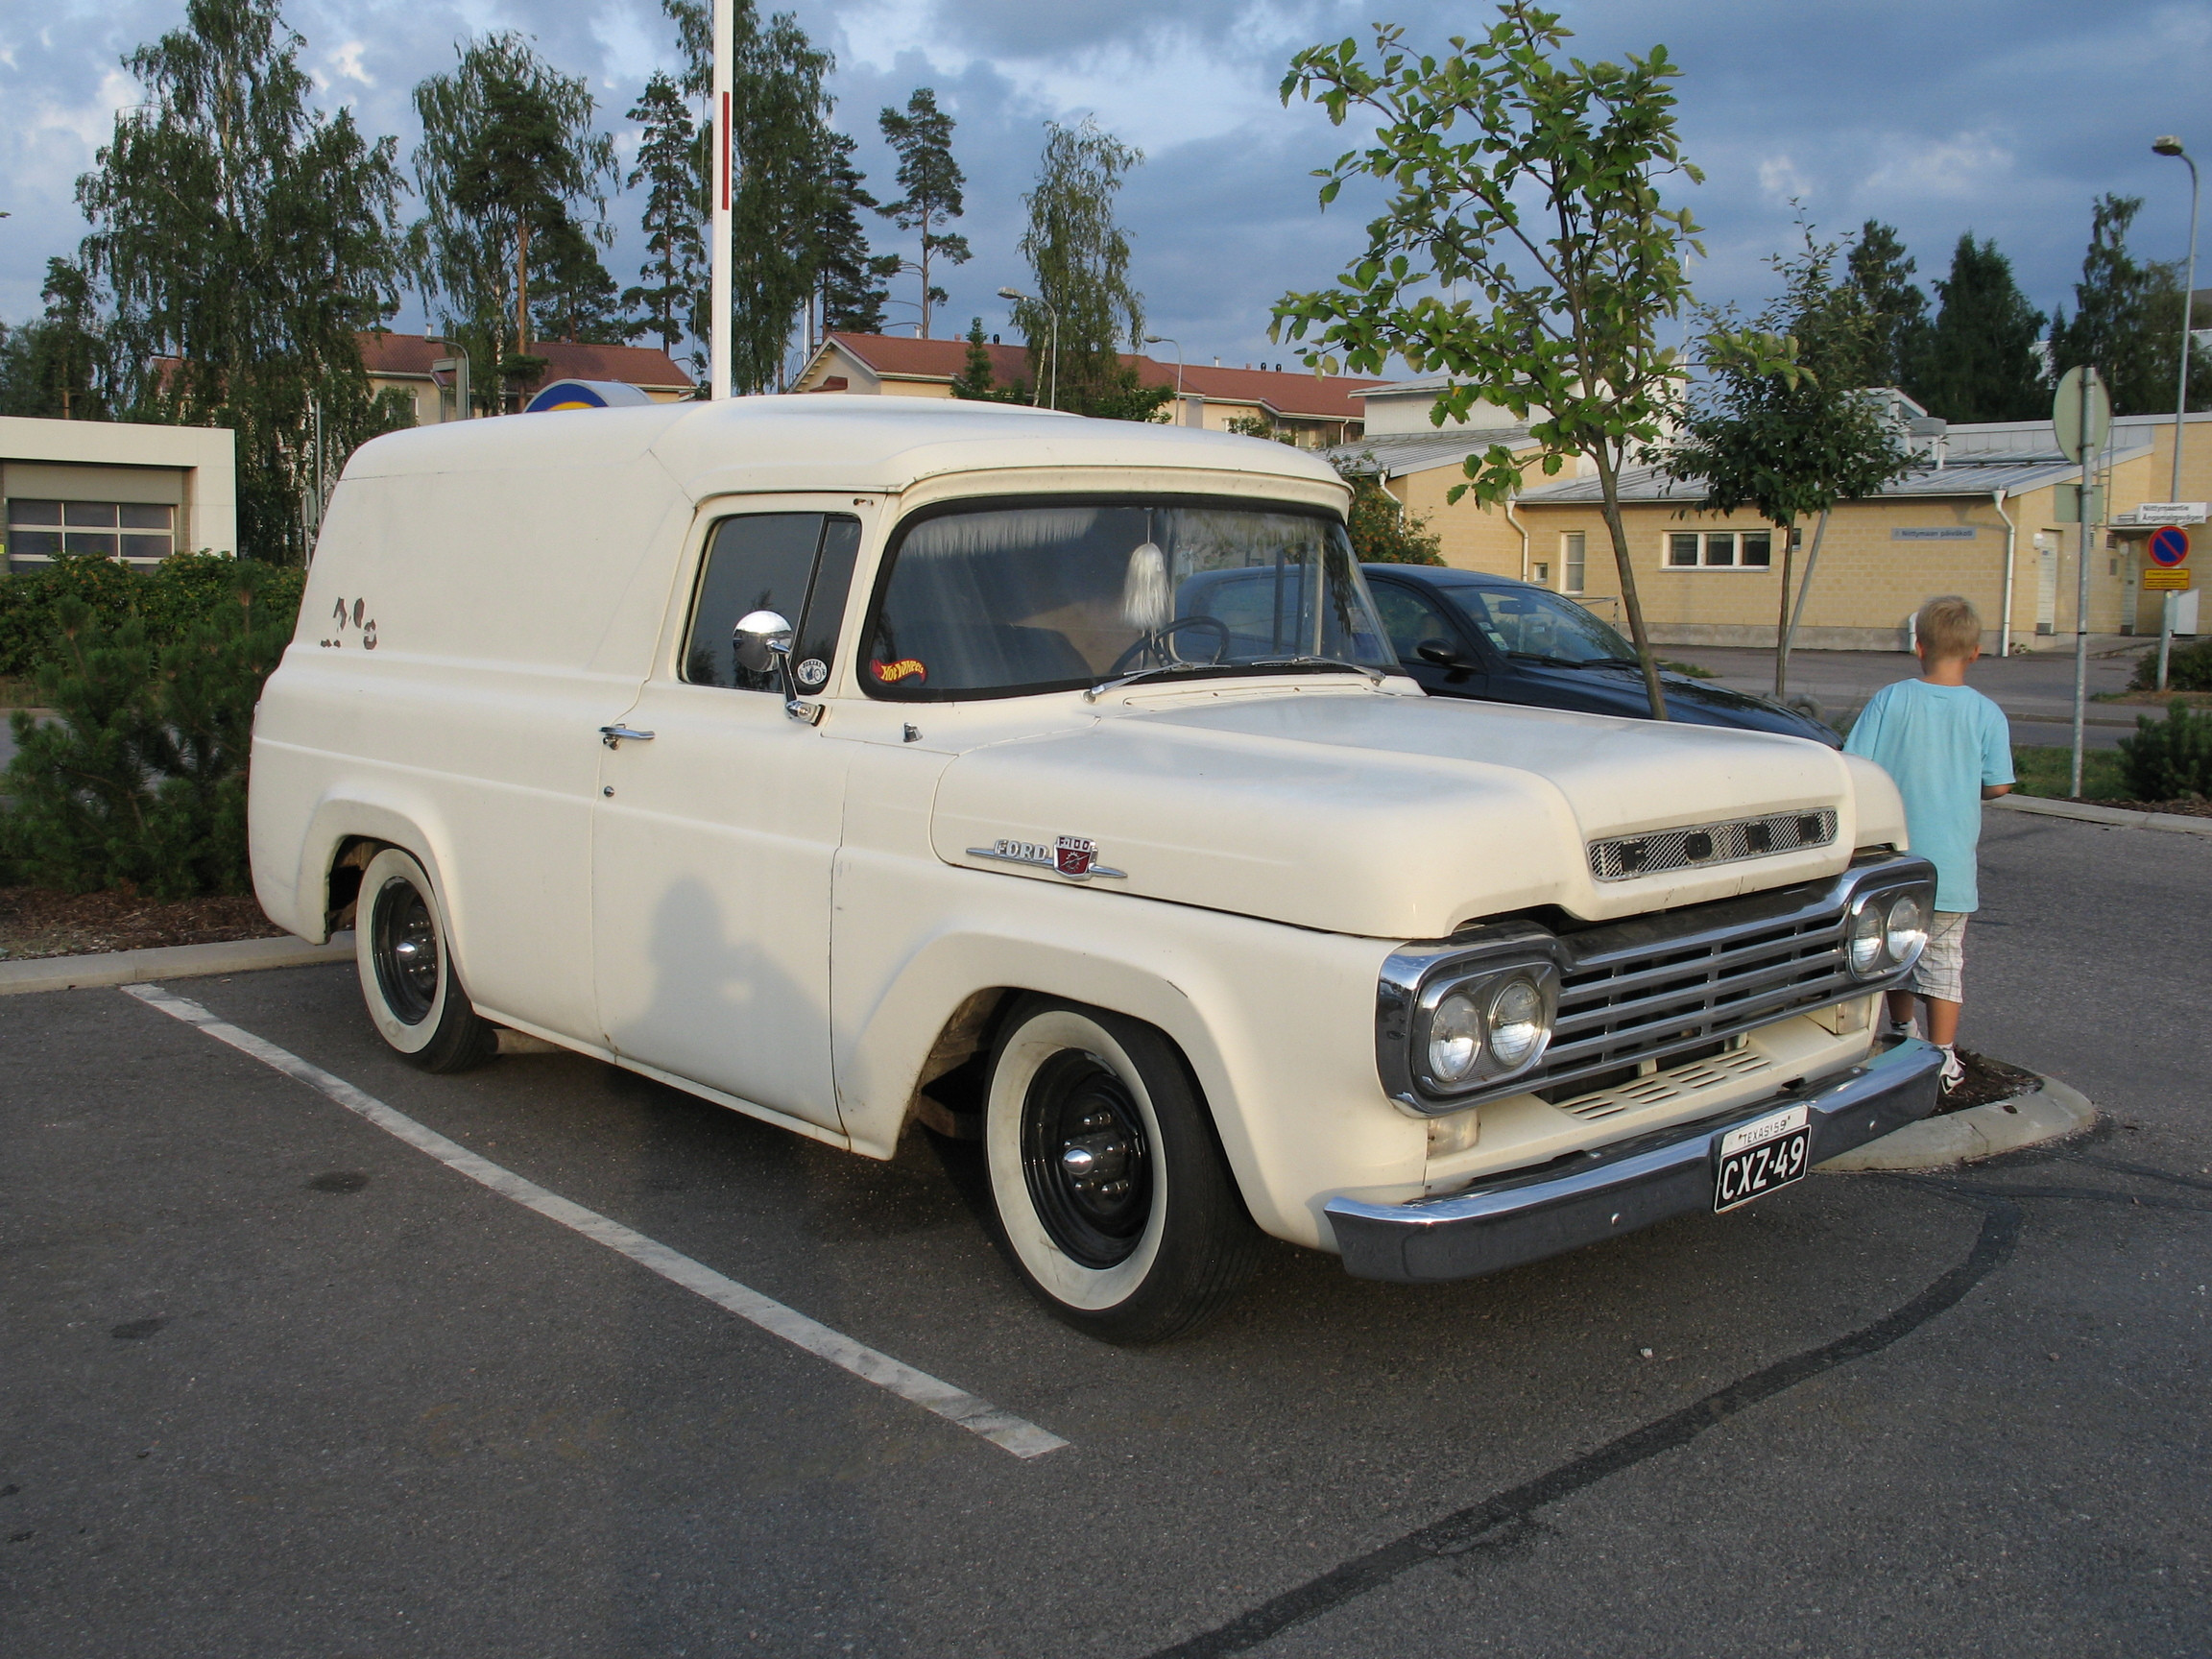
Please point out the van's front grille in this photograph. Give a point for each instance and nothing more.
(1625, 1006)
(1620, 857)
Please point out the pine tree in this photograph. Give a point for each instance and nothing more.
(508, 155)
(923, 138)
(850, 279)
(241, 239)
(1080, 257)
(1981, 362)
(978, 378)
(1880, 271)
(574, 296)
(675, 268)
(2126, 319)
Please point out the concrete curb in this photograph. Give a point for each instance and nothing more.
(2051, 1112)
(2176, 822)
(168, 962)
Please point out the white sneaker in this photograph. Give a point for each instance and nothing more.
(1953, 1075)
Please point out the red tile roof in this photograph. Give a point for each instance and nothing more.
(388, 354)
(1322, 396)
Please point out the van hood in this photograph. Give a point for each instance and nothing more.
(1386, 815)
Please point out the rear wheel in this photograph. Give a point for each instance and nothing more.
(1113, 1194)
(403, 955)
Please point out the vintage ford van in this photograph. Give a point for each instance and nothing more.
(864, 762)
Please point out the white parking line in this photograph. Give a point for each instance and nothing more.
(1003, 1428)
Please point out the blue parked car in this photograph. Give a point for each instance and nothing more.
(1462, 634)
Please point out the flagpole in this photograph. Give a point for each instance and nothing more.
(718, 320)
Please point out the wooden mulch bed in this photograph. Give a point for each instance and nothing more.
(1987, 1081)
(2199, 808)
(35, 922)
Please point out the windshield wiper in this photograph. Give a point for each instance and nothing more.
(1375, 675)
(1160, 670)
(1573, 661)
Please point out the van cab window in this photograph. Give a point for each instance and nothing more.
(998, 601)
(798, 564)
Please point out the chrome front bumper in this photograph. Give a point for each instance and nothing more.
(1528, 1215)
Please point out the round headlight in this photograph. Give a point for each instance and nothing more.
(1907, 929)
(1516, 1022)
(1863, 940)
(1455, 1039)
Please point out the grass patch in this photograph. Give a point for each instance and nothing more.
(2046, 771)
(17, 693)
(1689, 670)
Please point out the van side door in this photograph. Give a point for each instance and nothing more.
(717, 826)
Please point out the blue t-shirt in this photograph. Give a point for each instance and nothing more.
(1941, 744)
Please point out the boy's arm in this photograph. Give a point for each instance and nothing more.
(1996, 755)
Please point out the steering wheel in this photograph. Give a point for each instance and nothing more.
(1157, 642)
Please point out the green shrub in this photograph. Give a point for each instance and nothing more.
(170, 599)
(2188, 669)
(140, 783)
(2169, 759)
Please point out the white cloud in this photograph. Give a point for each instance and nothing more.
(1781, 182)
(344, 65)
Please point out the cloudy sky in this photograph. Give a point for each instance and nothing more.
(2005, 117)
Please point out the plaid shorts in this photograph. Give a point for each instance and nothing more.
(1941, 971)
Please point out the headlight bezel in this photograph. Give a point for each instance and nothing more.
(1878, 905)
(1481, 982)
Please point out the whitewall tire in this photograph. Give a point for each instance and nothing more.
(403, 955)
(1111, 1189)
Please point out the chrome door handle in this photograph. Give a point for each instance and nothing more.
(612, 735)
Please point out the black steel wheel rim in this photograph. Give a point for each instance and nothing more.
(1086, 1159)
(404, 946)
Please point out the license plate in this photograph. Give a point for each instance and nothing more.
(1758, 1157)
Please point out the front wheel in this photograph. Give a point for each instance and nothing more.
(404, 955)
(1110, 1188)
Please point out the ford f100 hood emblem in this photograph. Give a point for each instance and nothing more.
(1070, 855)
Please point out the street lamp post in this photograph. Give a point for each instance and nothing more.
(456, 365)
(1166, 340)
(2172, 145)
(1016, 294)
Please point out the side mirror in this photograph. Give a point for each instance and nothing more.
(762, 638)
(1441, 652)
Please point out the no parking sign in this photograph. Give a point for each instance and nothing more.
(2169, 546)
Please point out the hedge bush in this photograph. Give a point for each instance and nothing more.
(2169, 759)
(172, 599)
(140, 783)
(2188, 669)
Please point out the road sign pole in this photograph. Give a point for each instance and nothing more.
(2081, 417)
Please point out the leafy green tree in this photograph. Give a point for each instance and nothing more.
(922, 137)
(1530, 182)
(1790, 445)
(508, 154)
(575, 297)
(848, 279)
(674, 218)
(1980, 362)
(241, 239)
(1881, 271)
(1084, 305)
(55, 367)
(2127, 319)
(1382, 529)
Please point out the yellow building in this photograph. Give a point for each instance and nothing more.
(1983, 516)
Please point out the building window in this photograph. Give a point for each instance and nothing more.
(1572, 556)
(1720, 550)
(1540, 573)
(132, 530)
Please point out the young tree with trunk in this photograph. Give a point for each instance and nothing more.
(1792, 444)
(1532, 181)
(1079, 255)
(509, 154)
(674, 220)
(922, 137)
(241, 238)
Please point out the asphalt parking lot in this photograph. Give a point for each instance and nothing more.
(278, 1382)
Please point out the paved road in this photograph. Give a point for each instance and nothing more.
(276, 1384)
(2035, 690)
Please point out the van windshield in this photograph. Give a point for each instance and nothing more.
(993, 602)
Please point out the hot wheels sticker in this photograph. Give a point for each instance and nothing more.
(905, 668)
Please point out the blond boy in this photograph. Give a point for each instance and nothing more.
(1949, 749)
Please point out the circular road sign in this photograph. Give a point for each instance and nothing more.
(2169, 546)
